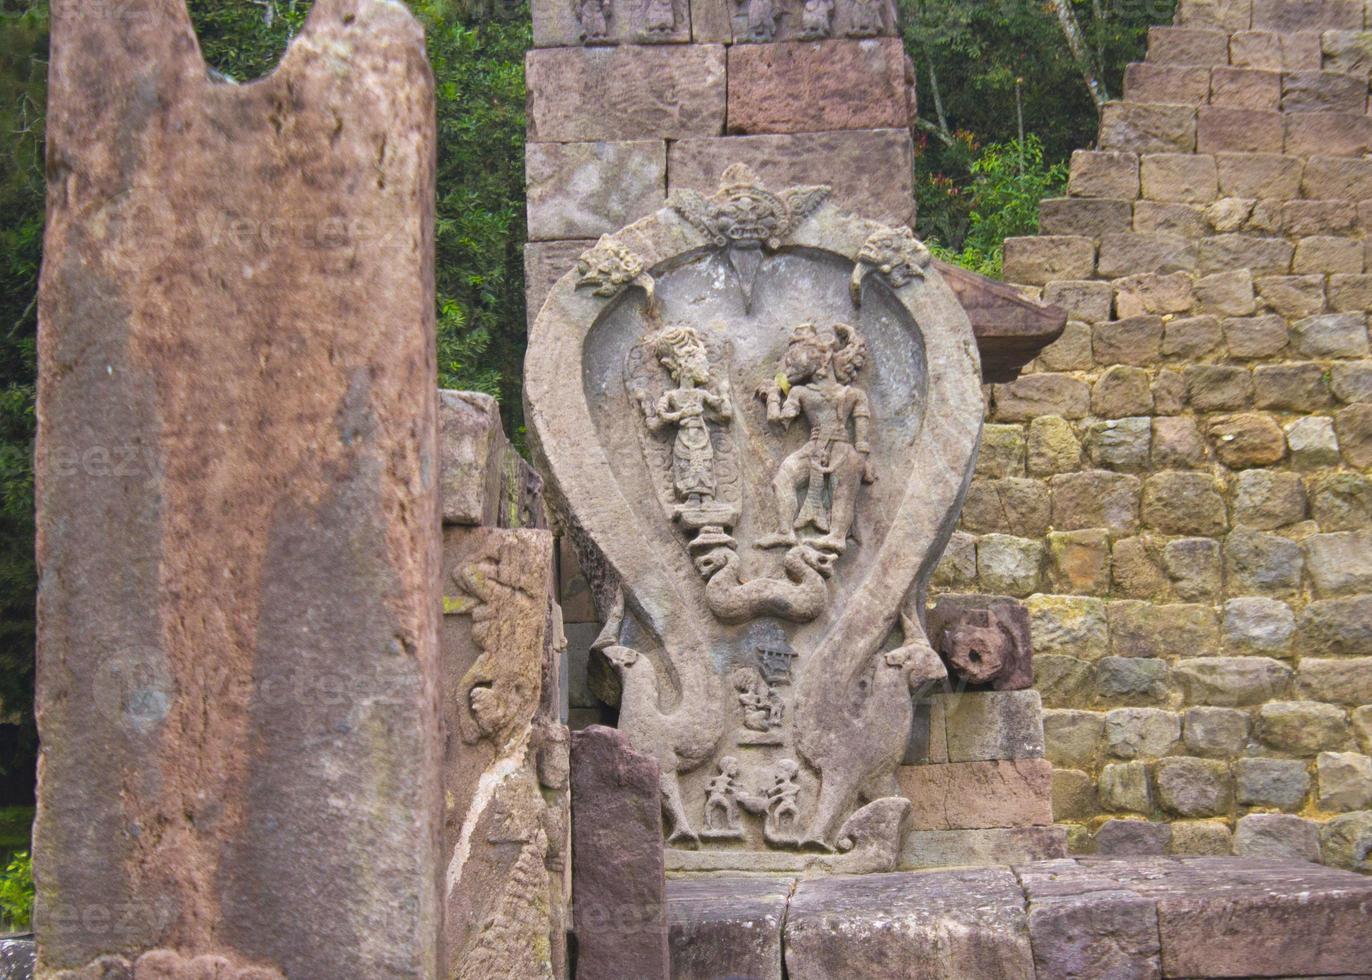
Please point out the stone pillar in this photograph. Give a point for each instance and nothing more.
(505, 764)
(237, 504)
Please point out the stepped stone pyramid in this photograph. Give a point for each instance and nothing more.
(1179, 486)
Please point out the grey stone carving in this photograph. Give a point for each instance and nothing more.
(896, 254)
(659, 19)
(816, 20)
(762, 18)
(864, 18)
(611, 268)
(815, 383)
(762, 574)
(593, 17)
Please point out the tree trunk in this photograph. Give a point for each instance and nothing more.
(1076, 43)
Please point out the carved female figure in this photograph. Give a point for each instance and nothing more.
(819, 369)
(690, 406)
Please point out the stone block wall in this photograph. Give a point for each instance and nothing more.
(1179, 488)
(619, 122)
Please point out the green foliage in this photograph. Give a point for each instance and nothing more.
(992, 70)
(1001, 198)
(479, 71)
(23, 93)
(16, 891)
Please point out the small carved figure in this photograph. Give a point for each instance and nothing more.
(762, 706)
(690, 406)
(816, 19)
(594, 18)
(721, 799)
(659, 18)
(816, 381)
(864, 18)
(783, 809)
(762, 19)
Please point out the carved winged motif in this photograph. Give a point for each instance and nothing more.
(744, 212)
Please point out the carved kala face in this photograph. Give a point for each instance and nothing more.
(751, 216)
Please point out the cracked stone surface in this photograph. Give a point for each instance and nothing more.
(1130, 918)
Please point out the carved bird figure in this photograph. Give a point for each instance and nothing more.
(680, 738)
(878, 704)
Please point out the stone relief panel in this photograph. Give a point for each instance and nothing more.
(762, 21)
(506, 789)
(775, 422)
(559, 23)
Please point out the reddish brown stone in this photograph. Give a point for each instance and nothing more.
(964, 923)
(813, 87)
(996, 629)
(1246, 88)
(1188, 46)
(727, 927)
(237, 502)
(1340, 134)
(974, 795)
(845, 161)
(1223, 130)
(1010, 330)
(618, 879)
(630, 92)
(1167, 83)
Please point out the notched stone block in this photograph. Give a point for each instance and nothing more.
(632, 92)
(984, 640)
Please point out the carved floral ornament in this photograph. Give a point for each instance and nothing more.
(768, 455)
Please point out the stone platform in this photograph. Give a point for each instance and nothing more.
(1080, 918)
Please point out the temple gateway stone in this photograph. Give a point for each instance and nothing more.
(760, 414)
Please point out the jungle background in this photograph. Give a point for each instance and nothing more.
(1007, 89)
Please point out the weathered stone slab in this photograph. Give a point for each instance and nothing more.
(968, 923)
(505, 782)
(483, 481)
(1086, 926)
(814, 87)
(727, 927)
(618, 882)
(585, 190)
(559, 23)
(1234, 917)
(237, 307)
(732, 22)
(979, 848)
(979, 795)
(544, 264)
(986, 725)
(846, 161)
(632, 92)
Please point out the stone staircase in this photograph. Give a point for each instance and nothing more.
(1180, 485)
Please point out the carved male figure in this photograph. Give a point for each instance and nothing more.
(721, 799)
(819, 369)
(783, 808)
(690, 406)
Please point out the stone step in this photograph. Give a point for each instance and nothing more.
(1188, 46)
(1175, 917)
